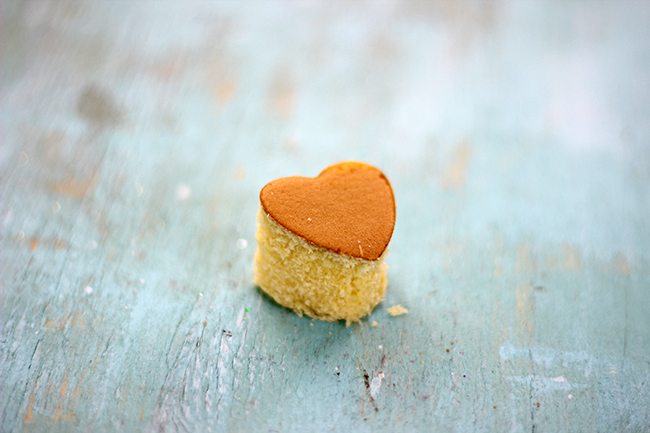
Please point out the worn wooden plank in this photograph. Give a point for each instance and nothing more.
(135, 137)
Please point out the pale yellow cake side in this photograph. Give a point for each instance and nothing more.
(312, 280)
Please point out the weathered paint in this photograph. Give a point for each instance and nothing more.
(134, 139)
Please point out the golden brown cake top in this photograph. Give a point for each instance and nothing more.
(349, 208)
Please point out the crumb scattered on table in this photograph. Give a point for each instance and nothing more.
(397, 310)
(374, 324)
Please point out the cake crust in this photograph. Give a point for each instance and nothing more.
(349, 208)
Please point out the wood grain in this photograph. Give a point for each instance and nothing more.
(134, 140)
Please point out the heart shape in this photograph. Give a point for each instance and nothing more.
(349, 208)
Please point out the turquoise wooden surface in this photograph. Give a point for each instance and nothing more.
(134, 138)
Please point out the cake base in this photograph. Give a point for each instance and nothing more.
(312, 280)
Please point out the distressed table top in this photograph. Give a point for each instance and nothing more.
(134, 138)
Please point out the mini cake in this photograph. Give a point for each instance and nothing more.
(321, 242)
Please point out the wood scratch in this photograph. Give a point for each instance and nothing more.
(456, 173)
(73, 188)
(366, 383)
(622, 265)
(525, 262)
(225, 90)
(31, 359)
(59, 413)
(625, 329)
(239, 173)
(74, 319)
(498, 268)
(530, 403)
(572, 259)
(168, 69)
(100, 219)
(35, 243)
(282, 94)
(28, 418)
(525, 304)
(77, 388)
(63, 388)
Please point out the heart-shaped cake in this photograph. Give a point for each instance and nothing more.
(349, 208)
(321, 241)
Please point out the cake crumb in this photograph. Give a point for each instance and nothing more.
(397, 310)
(374, 324)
